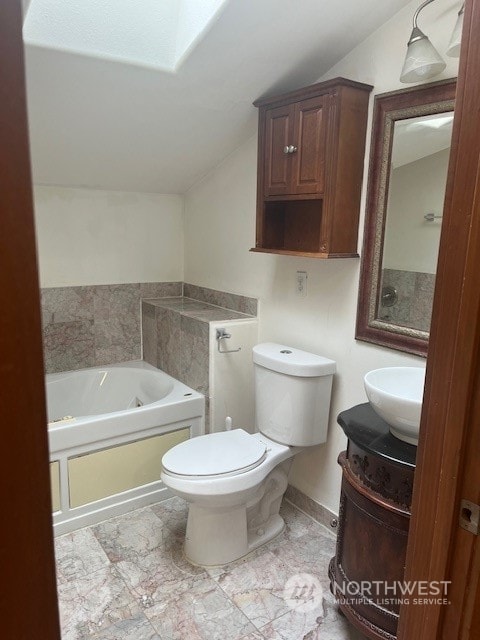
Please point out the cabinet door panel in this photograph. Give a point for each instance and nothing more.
(308, 171)
(278, 135)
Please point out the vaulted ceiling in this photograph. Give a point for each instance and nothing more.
(124, 96)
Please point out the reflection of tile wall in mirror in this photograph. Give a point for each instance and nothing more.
(410, 150)
(413, 307)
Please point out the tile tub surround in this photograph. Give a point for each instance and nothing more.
(176, 337)
(95, 325)
(415, 298)
(127, 579)
(232, 301)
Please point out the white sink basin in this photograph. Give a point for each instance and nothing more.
(396, 394)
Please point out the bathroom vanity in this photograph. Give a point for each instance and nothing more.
(375, 503)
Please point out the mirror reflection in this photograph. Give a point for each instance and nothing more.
(409, 157)
(417, 182)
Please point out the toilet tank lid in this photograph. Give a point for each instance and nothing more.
(293, 362)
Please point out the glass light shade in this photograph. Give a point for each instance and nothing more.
(455, 41)
(422, 60)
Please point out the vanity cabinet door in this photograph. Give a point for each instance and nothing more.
(279, 132)
(308, 168)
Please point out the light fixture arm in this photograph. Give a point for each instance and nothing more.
(415, 15)
(417, 34)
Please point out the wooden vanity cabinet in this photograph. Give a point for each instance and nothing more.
(310, 168)
(374, 518)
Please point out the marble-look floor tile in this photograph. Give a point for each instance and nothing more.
(173, 513)
(308, 554)
(94, 602)
(294, 626)
(152, 592)
(154, 576)
(325, 622)
(133, 534)
(198, 610)
(298, 524)
(77, 554)
(137, 628)
(257, 586)
(218, 570)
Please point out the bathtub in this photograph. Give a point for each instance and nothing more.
(108, 429)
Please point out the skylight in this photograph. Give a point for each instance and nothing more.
(150, 33)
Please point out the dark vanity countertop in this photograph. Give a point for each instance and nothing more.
(197, 309)
(367, 430)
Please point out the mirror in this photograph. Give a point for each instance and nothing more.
(410, 151)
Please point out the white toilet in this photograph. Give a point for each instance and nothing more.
(234, 481)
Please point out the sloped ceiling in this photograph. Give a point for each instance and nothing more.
(123, 123)
(421, 137)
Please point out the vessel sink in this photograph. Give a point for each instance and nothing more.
(396, 395)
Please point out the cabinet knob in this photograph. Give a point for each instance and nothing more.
(289, 149)
(286, 149)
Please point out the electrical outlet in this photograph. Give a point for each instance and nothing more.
(301, 284)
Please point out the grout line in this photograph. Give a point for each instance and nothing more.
(136, 598)
(236, 606)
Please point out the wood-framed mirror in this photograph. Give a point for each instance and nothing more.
(409, 157)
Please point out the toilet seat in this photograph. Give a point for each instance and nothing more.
(223, 454)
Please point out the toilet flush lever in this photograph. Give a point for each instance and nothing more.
(220, 335)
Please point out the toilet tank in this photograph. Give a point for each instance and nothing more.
(292, 394)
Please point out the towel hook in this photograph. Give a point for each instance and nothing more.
(221, 334)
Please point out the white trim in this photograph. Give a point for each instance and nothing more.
(116, 505)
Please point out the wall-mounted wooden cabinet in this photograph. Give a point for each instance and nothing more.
(310, 167)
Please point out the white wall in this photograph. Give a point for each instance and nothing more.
(107, 237)
(220, 229)
(416, 188)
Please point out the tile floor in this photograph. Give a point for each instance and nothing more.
(126, 579)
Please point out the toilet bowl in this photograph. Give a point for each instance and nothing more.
(231, 481)
(234, 481)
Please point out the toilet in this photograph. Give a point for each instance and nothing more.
(234, 481)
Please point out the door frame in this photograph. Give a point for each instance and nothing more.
(28, 598)
(449, 411)
(450, 414)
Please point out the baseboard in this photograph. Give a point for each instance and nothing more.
(317, 511)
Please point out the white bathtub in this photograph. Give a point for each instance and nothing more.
(107, 427)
